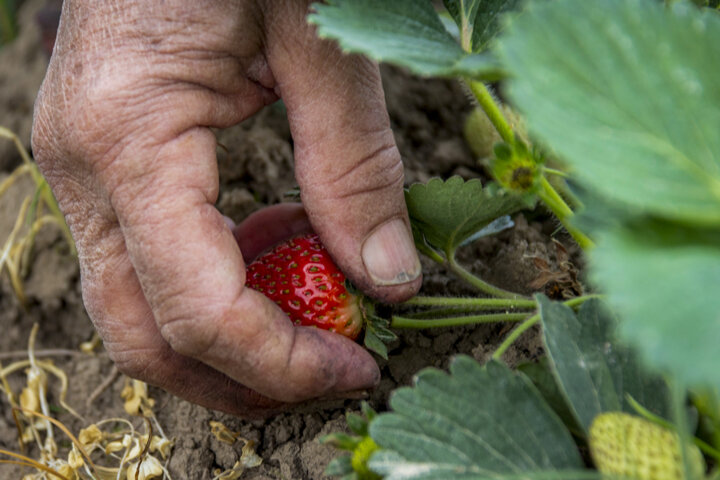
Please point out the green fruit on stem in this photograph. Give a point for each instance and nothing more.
(636, 448)
(480, 134)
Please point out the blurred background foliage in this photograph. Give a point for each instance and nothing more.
(8, 20)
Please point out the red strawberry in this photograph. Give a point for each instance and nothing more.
(303, 280)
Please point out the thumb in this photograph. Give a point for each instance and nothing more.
(347, 164)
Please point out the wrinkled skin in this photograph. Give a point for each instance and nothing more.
(122, 133)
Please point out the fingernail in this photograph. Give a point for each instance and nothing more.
(389, 254)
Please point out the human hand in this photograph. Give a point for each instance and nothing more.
(122, 134)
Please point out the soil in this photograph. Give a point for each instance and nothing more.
(256, 170)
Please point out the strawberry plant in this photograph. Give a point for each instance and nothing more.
(618, 138)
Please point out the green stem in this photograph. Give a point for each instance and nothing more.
(492, 110)
(478, 283)
(529, 322)
(514, 335)
(464, 274)
(552, 199)
(474, 303)
(442, 312)
(430, 253)
(566, 192)
(547, 193)
(404, 322)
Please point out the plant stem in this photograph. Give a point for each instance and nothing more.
(404, 322)
(491, 109)
(473, 303)
(442, 312)
(547, 193)
(514, 335)
(473, 280)
(552, 199)
(529, 322)
(478, 283)
(566, 192)
(430, 253)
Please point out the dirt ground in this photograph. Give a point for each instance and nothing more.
(256, 170)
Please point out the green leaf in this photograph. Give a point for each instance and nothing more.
(341, 441)
(625, 91)
(479, 20)
(373, 343)
(449, 212)
(368, 411)
(377, 334)
(398, 468)
(541, 375)
(475, 422)
(408, 33)
(594, 370)
(357, 423)
(599, 213)
(339, 466)
(663, 282)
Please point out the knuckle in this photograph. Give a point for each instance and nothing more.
(84, 116)
(369, 171)
(192, 333)
(134, 364)
(144, 364)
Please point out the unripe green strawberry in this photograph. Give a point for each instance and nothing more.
(633, 447)
(301, 277)
(480, 134)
